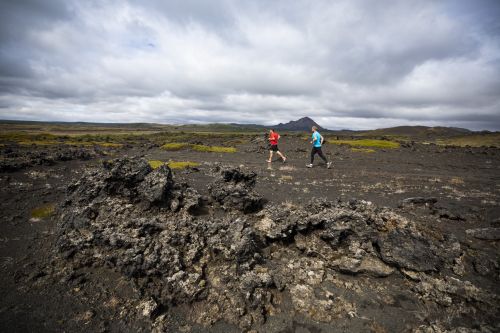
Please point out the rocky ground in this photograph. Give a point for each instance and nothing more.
(402, 240)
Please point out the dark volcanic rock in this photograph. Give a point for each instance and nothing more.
(157, 184)
(20, 158)
(418, 201)
(235, 191)
(237, 266)
(407, 250)
(161, 246)
(485, 233)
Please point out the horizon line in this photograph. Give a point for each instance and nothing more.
(231, 123)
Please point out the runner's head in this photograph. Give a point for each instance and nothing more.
(314, 128)
(271, 130)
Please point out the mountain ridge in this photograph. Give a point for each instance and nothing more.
(303, 124)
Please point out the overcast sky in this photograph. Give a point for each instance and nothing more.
(346, 64)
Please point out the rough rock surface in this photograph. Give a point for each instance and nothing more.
(236, 190)
(239, 261)
(485, 233)
(17, 159)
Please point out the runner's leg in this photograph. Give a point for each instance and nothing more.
(313, 151)
(320, 153)
(281, 155)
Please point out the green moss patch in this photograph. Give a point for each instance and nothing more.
(174, 165)
(43, 211)
(474, 140)
(177, 165)
(174, 146)
(214, 149)
(366, 143)
(155, 164)
(47, 139)
(69, 143)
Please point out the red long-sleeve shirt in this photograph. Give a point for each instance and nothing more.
(273, 138)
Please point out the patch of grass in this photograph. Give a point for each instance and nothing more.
(214, 149)
(475, 140)
(43, 211)
(69, 143)
(108, 144)
(363, 150)
(26, 137)
(155, 164)
(48, 139)
(174, 146)
(176, 165)
(38, 143)
(94, 143)
(366, 143)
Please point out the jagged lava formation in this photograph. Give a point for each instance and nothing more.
(231, 257)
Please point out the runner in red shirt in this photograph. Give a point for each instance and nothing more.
(273, 141)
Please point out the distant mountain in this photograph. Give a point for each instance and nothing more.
(303, 124)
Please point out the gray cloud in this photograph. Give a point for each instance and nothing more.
(348, 64)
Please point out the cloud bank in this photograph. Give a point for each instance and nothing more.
(347, 64)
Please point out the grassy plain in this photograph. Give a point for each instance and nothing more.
(366, 143)
(197, 137)
(474, 140)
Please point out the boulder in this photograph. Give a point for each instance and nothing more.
(156, 185)
(406, 249)
(234, 190)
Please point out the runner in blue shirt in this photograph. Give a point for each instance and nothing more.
(317, 141)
